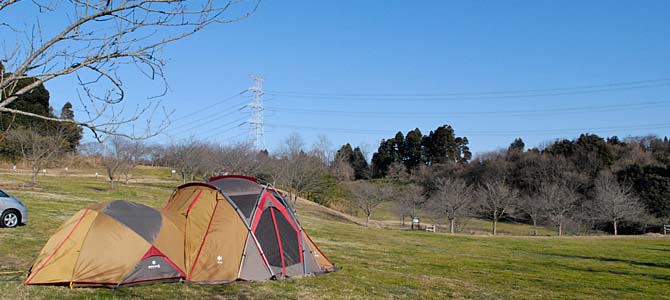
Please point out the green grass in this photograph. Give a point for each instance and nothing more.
(378, 263)
(385, 213)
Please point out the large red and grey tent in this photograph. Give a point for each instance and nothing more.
(237, 228)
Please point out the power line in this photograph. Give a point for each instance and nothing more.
(218, 128)
(627, 84)
(211, 106)
(210, 118)
(486, 132)
(378, 114)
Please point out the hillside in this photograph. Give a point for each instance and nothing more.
(378, 263)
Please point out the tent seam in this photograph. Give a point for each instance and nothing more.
(204, 239)
(58, 248)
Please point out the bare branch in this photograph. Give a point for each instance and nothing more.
(102, 38)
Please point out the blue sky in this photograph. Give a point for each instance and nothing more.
(396, 65)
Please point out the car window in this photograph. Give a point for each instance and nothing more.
(3, 194)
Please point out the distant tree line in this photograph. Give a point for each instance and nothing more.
(586, 184)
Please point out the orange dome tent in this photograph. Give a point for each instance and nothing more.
(111, 243)
(236, 228)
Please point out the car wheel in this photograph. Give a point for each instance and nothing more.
(9, 219)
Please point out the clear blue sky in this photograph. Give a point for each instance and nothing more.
(414, 48)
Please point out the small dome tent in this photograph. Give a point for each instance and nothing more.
(111, 243)
(237, 228)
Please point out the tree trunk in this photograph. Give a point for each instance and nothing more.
(35, 172)
(367, 221)
(616, 232)
(452, 224)
(560, 229)
(534, 227)
(495, 226)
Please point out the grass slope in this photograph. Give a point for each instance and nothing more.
(377, 263)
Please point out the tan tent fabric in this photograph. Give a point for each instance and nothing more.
(104, 244)
(221, 252)
(110, 252)
(57, 258)
(170, 241)
(316, 253)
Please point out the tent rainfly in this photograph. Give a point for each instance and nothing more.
(111, 243)
(232, 228)
(236, 228)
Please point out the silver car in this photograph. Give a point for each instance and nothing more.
(12, 211)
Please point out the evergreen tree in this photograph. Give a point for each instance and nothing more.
(464, 149)
(412, 150)
(517, 146)
(71, 132)
(360, 164)
(345, 153)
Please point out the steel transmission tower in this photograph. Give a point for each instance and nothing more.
(256, 122)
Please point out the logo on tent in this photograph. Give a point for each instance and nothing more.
(154, 265)
(219, 260)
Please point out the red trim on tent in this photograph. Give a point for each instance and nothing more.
(58, 248)
(250, 178)
(189, 185)
(260, 250)
(284, 212)
(153, 251)
(193, 203)
(281, 249)
(288, 218)
(259, 211)
(196, 184)
(89, 283)
(204, 239)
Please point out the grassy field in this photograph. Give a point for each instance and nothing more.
(377, 263)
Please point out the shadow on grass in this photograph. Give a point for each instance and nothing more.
(615, 272)
(611, 259)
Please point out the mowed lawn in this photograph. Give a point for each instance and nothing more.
(376, 263)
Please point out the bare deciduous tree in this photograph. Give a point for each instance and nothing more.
(117, 157)
(560, 199)
(96, 43)
(235, 159)
(495, 199)
(296, 170)
(190, 158)
(535, 207)
(614, 202)
(408, 200)
(451, 199)
(37, 149)
(342, 170)
(367, 196)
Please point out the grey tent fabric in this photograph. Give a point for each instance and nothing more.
(152, 268)
(144, 220)
(236, 186)
(310, 263)
(253, 267)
